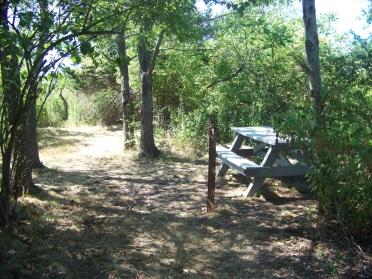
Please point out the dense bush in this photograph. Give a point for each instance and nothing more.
(343, 177)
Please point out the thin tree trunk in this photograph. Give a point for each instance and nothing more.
(65, 106)
(312, 54)
(127, 104)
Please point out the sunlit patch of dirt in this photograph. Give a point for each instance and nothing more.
(100, 212)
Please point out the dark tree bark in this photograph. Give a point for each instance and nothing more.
(147, 65)
(22, 162)
(313, 62)
(127, 104)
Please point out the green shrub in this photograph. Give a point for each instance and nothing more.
(343, 176)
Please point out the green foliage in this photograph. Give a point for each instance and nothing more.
(342, 150)
(189, 128)
(100, 108)
(245, 75)
(344, 156)
(342, 177)
(52, 113)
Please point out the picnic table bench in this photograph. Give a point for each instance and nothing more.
(277, 157)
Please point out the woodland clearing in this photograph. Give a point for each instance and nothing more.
(100, 212)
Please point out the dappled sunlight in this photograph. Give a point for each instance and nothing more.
(100, 212)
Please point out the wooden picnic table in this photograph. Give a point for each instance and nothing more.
(276, 154)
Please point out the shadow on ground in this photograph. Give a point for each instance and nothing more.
(125, 218)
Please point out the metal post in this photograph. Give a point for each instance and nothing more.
(212, 165)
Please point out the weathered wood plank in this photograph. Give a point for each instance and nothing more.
(277, 171)
(250, 151)
(252, 169)
(261, 134)
(235, 161)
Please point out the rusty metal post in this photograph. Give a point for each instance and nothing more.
(212, 165)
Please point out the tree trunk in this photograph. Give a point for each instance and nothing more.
(30, 138)
(22, 164)
(147, 65)
(65, 106)
(147, 145)
(30, 130)
(312, 54)
(127, 104)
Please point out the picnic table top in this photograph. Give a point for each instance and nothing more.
(263, 134)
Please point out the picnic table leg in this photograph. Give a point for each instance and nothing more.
(259, 147)
(257, 182)
(254, 186)
(283, 161)
(222, 169)
(237, 143)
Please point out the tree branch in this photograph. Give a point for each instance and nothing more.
(156, 53)
(237, 72)
(88, 15)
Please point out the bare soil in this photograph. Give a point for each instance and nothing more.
(100, 212)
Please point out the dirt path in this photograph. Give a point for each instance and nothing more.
(103, 213)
